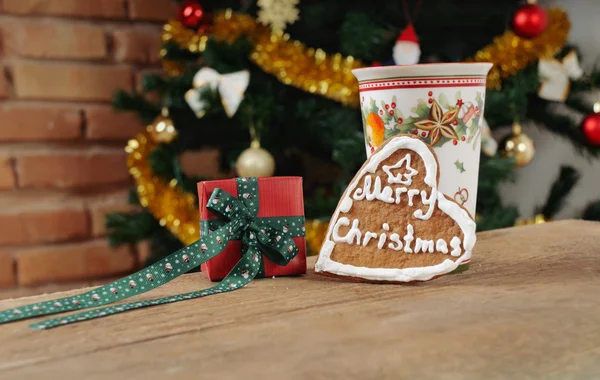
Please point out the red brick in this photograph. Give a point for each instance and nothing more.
(7, 175)
(7, 270)
(30, 122)
(154, 10)
(43, 39)
(137, 45)
(72, 262)
(72, 169)
(101, 207)
(201, 163)
(104, 123)
(75, 8)
(63, 81)
(49, 225)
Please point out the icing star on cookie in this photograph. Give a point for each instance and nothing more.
(404, 178)
(392, 224)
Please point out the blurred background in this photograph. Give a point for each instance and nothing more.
(82, 79)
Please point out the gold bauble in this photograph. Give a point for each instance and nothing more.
(315, 234)
(162, 129)
(255, 162)
(518, 145)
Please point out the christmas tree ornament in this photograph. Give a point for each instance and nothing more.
(190, 14)
(407, 50)
(162, 129)
(519, 146)
(590, 126)
(556, 76)
(231, 88)
(489, 146)
(530, 20)
(255, 162)
(278, 13)
(510, 53)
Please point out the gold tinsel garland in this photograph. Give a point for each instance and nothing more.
(315, 71)
(167, 202)
(311, 70)
(510, 53)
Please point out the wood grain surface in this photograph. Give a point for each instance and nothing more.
(528, 308)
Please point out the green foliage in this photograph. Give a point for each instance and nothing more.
(592, 211)
(317, 206)
(559, 191)
(375, 42)
(492, 213)
(564, 126)
(227, 58)
(130, 228)
(124, 101)
(163, 162)
(512, 102)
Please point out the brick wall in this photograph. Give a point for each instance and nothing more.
(62, 163)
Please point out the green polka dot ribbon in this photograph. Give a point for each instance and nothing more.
(237, 220)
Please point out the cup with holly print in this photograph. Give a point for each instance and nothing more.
(442, 104)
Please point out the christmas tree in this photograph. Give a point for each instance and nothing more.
(268, 83)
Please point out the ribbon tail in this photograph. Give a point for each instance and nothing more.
(243, 272)
(142, 281)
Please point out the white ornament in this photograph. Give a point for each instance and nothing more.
(277, 13)
(489, 145)
(231, 89)
(556, 77)
(407, 50)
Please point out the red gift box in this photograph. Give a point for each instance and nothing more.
(278, 197)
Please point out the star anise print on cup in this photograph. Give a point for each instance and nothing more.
(439, 123)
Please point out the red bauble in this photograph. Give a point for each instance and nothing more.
(190, 14)
(591, 128)
(530, 21)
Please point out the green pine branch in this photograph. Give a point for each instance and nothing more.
(541, 112)
(130, 228)
(124, 101)
(592, 211)
(561, 188)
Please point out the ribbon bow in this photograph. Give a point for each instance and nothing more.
(238, 220)
(231, 88)
(556, 76)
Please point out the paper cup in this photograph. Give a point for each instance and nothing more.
(441, 103)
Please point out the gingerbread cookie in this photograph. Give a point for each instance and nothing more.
(392, 224)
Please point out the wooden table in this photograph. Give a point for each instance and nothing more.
(529, 308)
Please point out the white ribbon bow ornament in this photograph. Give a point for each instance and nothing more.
(556, 76)
(489, 146)
(231, 88)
